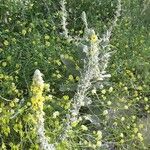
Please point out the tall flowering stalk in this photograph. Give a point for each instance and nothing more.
(37, 101)
(94, 72)
(64, 19)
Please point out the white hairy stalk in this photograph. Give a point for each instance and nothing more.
(95, 64)
(37, 104)
(64, 18)
(44, 145)
(84, 19)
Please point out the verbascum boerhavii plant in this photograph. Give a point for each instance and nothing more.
(37, 101)
(93, 75)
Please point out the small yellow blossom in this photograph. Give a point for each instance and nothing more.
(121, 141)
(141, 126)
(110, 89)
(47, 43)
(133, 136)
(146, 107)
(59, 76)
(4, 64)
(135, 130)
(122, 118)
(115, 123)
(14, 40)
(71, 78)
(85, 142)
(74, 123)
(58, 62)
(93, 146)
(77, 78)
(109, 103)
(6, 43)
(103, 91)
(84, 128)
(46, 25)
(93, 38)
(133, 117)
(47, 37)
(47, 87)
(140, 88)
(125, 88)
(99, 135)
(105, 112)
(55, 114)
(139, 135)
(24, 32)
(66, 97)
(121, 135)
(99, 143)
(126, 107)
(145, 99)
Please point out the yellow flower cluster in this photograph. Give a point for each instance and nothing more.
(37, 98)
(37, 88)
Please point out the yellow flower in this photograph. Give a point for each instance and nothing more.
(84, 128)
(6, 43)
(93, 38)
(103, 91)
(121, 135)
(141, 126)
(105, 112)
(59, 76)
(126, 107)
(74, 123)
(47, 43)
(24, 32)
(140, 136)
(4, 64)
(55, 114)
(99, 143)
(145, 99)
(146, 107)
(71, 78)
(99, 135)
(121, 141)
(66, 97)
(109, 103)
(122, 118)
(46, 37)
(135, 130)
(110, 89)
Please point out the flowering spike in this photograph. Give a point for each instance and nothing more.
(37, 101)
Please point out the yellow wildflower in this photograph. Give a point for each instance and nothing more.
(84, 128)
(93, 38)
(37, 88)
(6, 43)
(46, 37)
(24, 32)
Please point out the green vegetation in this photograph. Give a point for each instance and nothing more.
(31, 38)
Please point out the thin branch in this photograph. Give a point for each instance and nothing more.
(5, 99)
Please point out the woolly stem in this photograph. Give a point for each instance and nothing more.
(64, 18)
(94, 68)
(37, 105)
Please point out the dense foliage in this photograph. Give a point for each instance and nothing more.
(31, 38)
